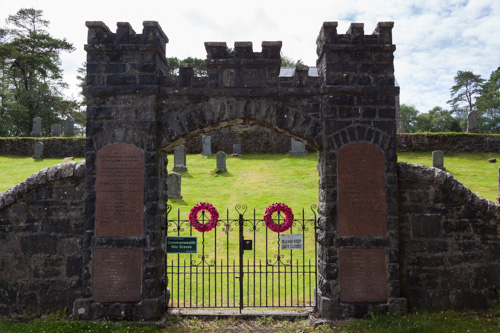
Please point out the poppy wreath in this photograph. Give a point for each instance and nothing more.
(193, 217)
(278, 207)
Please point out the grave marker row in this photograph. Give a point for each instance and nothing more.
(55, 129)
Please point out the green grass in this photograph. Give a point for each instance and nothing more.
(442, 322)
(15, 169)
(471, 169)
(253, 180)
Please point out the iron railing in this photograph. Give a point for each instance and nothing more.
(240, 264)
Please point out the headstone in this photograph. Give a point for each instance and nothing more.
(180, 158)
(69, 127)
(55, 130)
(499, 182)
(38, 151)
(174, 186)
(206, 142)
(221, 161)
(237, 149)
(438, 159)
(298, 148)
(472, 122)
(37, 127)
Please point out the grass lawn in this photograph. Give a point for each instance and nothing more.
(15, 169)
(441, 322)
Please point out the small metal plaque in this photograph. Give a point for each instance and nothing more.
(362, 275)
(181, 245)
(117, 275)
(292, 241)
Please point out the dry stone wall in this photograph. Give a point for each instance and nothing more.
(41, 232)
(449, 240)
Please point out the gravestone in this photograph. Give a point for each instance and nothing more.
(438, 159)
(298, 148)
(55, 130)
(472, 122)
(221, 161)
(37, 127)
(38, 151)
(237, 149)
(180, 158)
(499, 182)
(174, 186)
(206, 142)
(69, 127)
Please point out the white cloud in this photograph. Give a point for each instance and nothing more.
(434, 39)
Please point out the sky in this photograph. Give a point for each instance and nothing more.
(434, 39)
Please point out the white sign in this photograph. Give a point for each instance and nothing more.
(292, 242)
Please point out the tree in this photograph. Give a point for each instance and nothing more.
(467, 87)
(31, 77)
(438, 120)
(289, 62)
(408, 117)
(199, 65)
(488, 104)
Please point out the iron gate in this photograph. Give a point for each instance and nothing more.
(241, 263)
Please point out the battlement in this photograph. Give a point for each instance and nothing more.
(219, 52)
(100, 34)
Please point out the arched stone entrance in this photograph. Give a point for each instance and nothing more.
(348, 110)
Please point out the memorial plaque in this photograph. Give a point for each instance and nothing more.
(362, 275)
(119, 191)
(361, 189)
(117, 275)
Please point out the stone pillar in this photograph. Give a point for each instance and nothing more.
(123, 272)
(358, 225)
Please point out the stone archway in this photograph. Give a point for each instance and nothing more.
(131, 100)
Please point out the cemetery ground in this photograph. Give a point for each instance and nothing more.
(258, 181)
(416, 321)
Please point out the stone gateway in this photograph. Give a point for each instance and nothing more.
(384, 229)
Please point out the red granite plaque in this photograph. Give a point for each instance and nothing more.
(361, 190)
(117, 275)
(362, 275)
(119, 191)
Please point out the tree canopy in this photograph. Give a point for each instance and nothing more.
(31, 77)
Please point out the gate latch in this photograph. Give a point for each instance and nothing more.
(247, 244)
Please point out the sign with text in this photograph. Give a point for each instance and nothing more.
(182, 245)
(292, 242)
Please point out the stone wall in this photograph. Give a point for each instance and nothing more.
(261, 140)
(450, 143)
(449, 241)
(74, 147)
(41, 230)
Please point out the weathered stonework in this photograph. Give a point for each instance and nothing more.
(350, 105)
(41, 232)
(450, 242)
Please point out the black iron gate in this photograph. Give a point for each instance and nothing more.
(241, 263)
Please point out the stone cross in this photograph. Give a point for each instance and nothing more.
(221, 161)
(55, 130)
(298, 148)
(237, 149)
(472, 122)
(174, 186)
(206, 142)
(438, 159)
(180, 158)
(69, 127)
(37, 127)
(38, 151)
